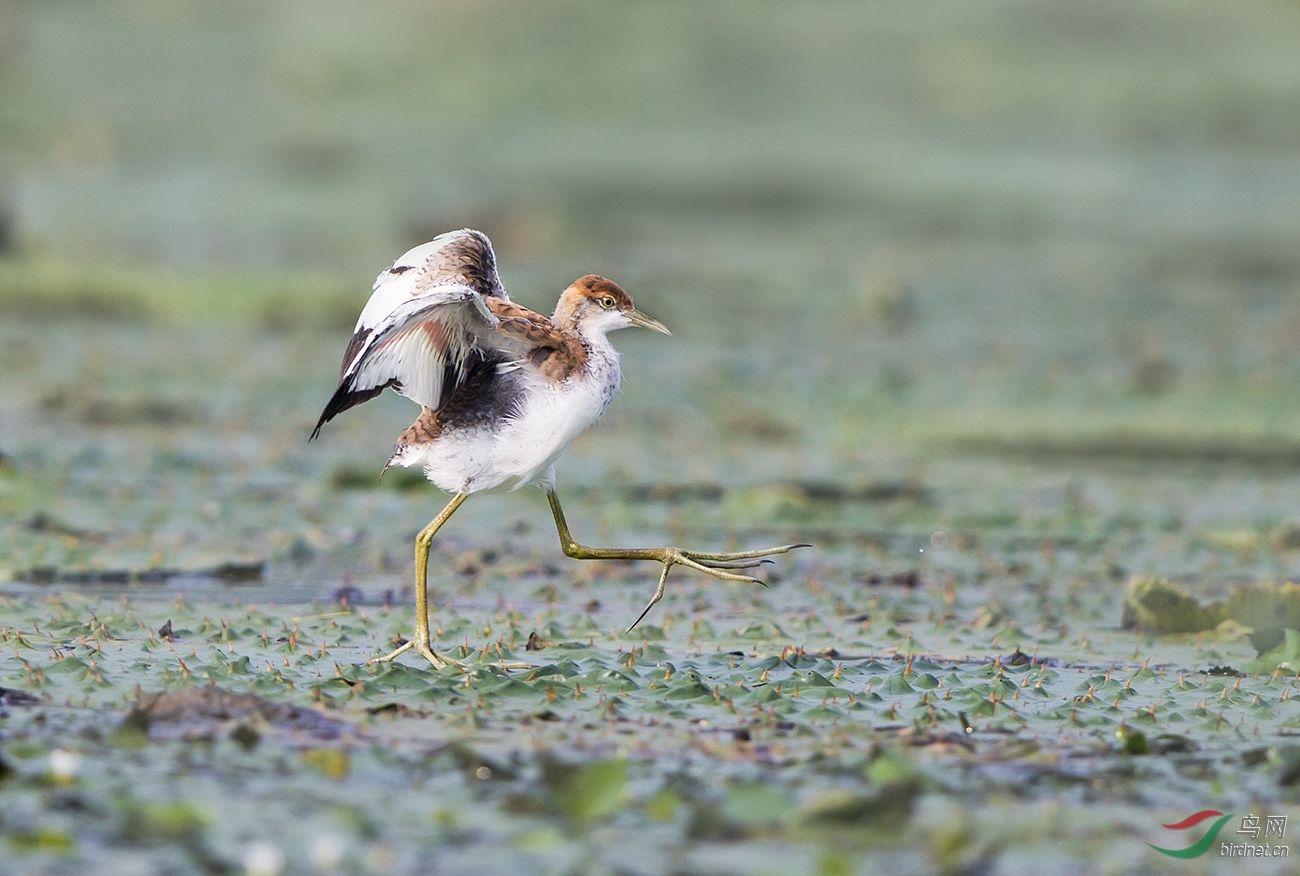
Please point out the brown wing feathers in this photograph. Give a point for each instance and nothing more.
(444, 290)
(553, 352)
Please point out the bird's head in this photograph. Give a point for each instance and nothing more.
(593, 305)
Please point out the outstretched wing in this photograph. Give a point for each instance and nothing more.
(424, 325)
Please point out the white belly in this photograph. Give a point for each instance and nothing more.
(519, 449)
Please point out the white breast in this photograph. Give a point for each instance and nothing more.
(519, 450)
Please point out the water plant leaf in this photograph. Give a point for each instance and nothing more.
(1159, 606)
(1285, 657)
(586, 792)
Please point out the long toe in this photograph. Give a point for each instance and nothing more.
(514, 665)
(392, 655)
(735, 564)
(439, 661)
(717, 572)
(726, 556)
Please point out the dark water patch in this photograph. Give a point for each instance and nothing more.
(1272, 453)
(231, 572)
(148, 411)
(814, 491)
(908, 579)
(356, 477)
(43, 522)
(10, 697)
(208, 711)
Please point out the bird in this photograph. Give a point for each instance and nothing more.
(503, 390)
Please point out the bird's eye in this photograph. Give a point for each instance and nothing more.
(607, 302)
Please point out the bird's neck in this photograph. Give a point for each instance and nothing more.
(566, 320)
(565, 317)
(596, 345)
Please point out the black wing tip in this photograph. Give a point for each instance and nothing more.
(325, 417)
(346, 397)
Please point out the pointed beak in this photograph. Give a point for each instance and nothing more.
(639, 318)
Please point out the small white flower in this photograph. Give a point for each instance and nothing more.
(327, 851)
(263, 859)
(64, 764)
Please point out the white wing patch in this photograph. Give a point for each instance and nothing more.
(411, 355)
(425, 317)
(412, 345)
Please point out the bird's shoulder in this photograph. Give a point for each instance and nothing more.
(529, 326)
(554, 352)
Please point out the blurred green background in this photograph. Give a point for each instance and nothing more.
(883, 233)
(973, 204)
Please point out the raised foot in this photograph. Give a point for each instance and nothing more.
(718, 564)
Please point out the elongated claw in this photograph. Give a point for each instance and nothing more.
(744, 555)
(716, 564)
(658, 595)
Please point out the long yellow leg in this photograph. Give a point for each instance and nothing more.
(719, 565)
(419, 642)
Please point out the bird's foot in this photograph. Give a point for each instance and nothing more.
(442, 661)
(439, 661)
(718, 564)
